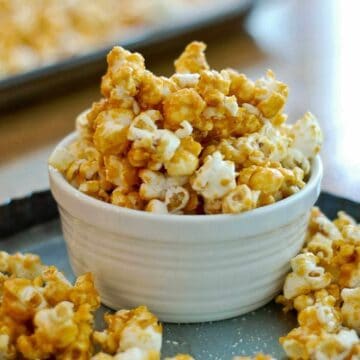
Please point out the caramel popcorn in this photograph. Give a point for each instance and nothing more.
(42, 314)
(323, 287)
(41, 32)
(200, 141)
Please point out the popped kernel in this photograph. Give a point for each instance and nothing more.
(193, 59)
(204, 130)
(215, 178)
(137, 328)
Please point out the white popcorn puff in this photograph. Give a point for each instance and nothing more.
(295, 157)
(240, 199)
(176, 198)
(185, 130)
(252, 109)
(307, 135)
(321, 246)
(306, 276)
(336, 346)
(156, 206)
(325, 316)
(352, 233)
(327, 227)
(138, 335)
(166, 144)
(185, 80)
(231, 105)
(82, 124)
(134, 354)
(143, 127)
(61, 159)
(155, 184)
(52, 322)
(215, 178)
(271, 142)
(350, 309)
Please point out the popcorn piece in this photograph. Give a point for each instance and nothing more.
(61, 159)
(215, 178)
(259, 356)
(130, 354)
(192, 60)
(176, 198)
(155, 184)
(337, 346)
(321, 246)
(350, 309)
(184, 104)
(54, 329)
(270, 95)
(180, 357)
(157, 206)
(185, 130)
(26, 266)
(242, 198)
(128, 329)
(319, 316)
(120, 173)
(123, 76)
(151, 90)
(131, 200)
(301, 343)
(21, 299)
(307, 135)
(320, 223)
(185, 160)
(306, 276)
(110, 136)
(264, 179)
(184, 80)
(213, 86)
(241, 86)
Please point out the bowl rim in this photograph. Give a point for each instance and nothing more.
(59, 180)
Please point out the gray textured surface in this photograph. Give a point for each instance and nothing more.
(247, 334)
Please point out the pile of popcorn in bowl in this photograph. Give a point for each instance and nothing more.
(198, 142)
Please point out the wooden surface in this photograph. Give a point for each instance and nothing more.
(311, 45)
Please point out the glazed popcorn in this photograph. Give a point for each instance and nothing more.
(42, 314)
(131, 329)
(201, 141)
(324, 288)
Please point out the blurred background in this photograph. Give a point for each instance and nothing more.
(52, 54)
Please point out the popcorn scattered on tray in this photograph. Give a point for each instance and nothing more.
(200, 141)
(39, 32)
(324, 288)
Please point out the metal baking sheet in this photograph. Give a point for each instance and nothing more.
(248, 334)
(79, 69)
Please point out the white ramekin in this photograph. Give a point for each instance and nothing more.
(185, 268)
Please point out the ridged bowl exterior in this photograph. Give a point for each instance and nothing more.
(184, 268)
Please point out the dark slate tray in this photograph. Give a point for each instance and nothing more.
(31, 224)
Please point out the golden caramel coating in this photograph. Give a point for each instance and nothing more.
(323, 288)
(193, 59)
(42, 315)
(259, 356)
(184, 104)
(212, 129)
(127, 329)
